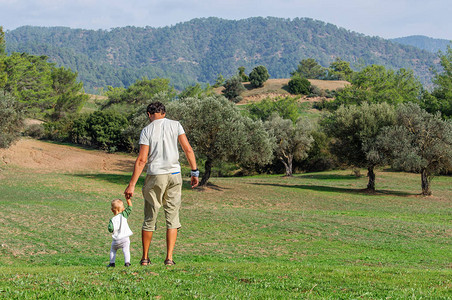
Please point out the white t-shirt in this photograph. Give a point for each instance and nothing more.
(121, 227)
(162, 137)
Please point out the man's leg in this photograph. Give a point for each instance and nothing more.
(171, 236)
(146, 238)
(152, 193)
(171, 204)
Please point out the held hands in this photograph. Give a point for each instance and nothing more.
(128, 193)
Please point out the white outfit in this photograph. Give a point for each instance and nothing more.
(121, 227)
(121, 240)
(162, 137)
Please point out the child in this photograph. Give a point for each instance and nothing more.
(121, 231)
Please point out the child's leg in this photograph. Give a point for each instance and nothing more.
(113, 252)
(126, 250)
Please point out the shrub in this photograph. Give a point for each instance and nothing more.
(233, 88)
(36, 131)
(101, 129)
(299, 85)
(315, 91)
(11, 120)
(258, 76)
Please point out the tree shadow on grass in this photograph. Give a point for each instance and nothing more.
(286, 88)
(329, 177)
(122, 179)
(321, 188)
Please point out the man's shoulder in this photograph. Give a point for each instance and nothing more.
(171, 121)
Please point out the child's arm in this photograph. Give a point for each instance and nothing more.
(111, 228)
(128, 209)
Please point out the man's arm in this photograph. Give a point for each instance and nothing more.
(190, 154)
(140, 163)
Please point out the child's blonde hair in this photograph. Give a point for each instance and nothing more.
(117, 204)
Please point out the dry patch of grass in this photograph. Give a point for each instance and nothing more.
(274, 88)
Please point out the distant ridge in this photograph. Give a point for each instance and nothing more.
(201, 49)
(424, 42)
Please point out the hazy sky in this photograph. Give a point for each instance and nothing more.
(384, 18)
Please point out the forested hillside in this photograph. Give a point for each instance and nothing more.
(201, 49)
(424, 42)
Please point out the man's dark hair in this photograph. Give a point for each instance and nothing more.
(156, 107)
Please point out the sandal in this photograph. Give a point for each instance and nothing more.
(169, 262)
(145, 262)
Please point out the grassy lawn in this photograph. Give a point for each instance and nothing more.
(314, 236)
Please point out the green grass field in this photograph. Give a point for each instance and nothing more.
(314, 236)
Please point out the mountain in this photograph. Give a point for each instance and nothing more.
(424, 42)
(200, 49)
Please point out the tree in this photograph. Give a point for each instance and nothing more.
(242, 74)
(292, 140)
(2, 42)
(11, 120)
(139, 93)
(340, 70)
(375, 84)
(28, 79)
(195, 91)
(354, 130)
(299, 85)
(286, 108)
(233, 87)
(419, 142)
(219, 81)
(441, 97)
(3, 74)
(310, 68)
(69, 94)
(218, 132)
(258, 76)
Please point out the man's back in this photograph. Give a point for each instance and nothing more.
(161, 136)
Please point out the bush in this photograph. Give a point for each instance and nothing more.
(11, 120)
(258, 76)
(60, 130)
(299, 85)
(319, 157)
(36, 131)
(315, 91)
(101, 129)
(233, 88)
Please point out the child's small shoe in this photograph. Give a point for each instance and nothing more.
(127, 265)
(111, 265)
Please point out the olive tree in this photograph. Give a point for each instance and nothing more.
(218, 132)
(419, 142)
(292, 140)
(354, 130)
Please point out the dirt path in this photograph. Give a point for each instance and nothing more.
(48, 157)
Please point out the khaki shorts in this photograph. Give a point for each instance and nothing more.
(162, 190)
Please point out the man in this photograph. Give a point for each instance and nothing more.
(163, 183)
